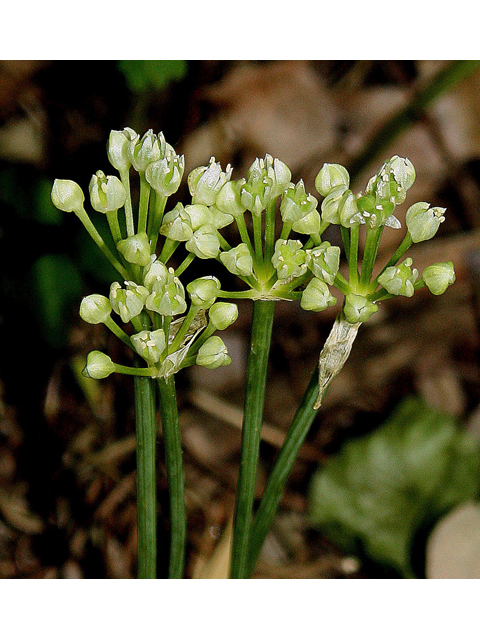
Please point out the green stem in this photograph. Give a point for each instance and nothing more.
(143, 204)
(146, 480)
(186, 262)
(168, 250)
(244, 235)
(369, 254)
(100, 242)
(118, 331)
(257, 239)
(176, 483)
(345, 240)
(279, 475)
(155, 222)
(125, 177)
(270, 230)
(112, 219)
(262, 322)
(353, 254)
(187, 321)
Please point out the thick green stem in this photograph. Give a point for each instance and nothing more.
(175, 479)
(146, 480)
(143, 204)
(353, 255)
(278, 478)
(262, 322)
(270, 230)
(370, 254)
(125, 177)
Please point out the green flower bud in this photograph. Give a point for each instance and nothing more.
(95, 308)
(423, 221)
(165, 175)
(204, 291)
(393, 180)
(222, 314)
(399, 280)
(438, 277)
(176, 224)
(289, 259)
(136, 249)
(218, 218)
(107, 193)
(67, 196)
(358, 308)
(299, 209)
(213, 354)
(316, 296)
(330, 177)
(127, 303)
(348, 210)
(229, 200)
(117, 149)
(238, 260)
(267, 179)
(198, 215)
(204, 243)
(144, 151)
(98, 366)
(156, 275)
(149, 344)
(205, 183)
(331, 205)
(167, 298)
(324, 261)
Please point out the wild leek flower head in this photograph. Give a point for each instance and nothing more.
(423, 221)
(95, 308)
(330, 177)
(107, 193)
(205, 183)
(438, 277)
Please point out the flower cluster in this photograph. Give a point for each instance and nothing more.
(294, 264)
(172, 325)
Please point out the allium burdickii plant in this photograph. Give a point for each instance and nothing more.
(170, 321)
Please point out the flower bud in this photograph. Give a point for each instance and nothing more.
(438, 277)
(136, 249)
(423, 221)
(67, 196)
(348, 210)
(156, 275)
(98, 366)
(204, 242)
(198, 214)
(95, 309)
(117, 149)
(165, 175)
(176, 224)
(144, 151)
(238, 260)
(205, 183)
(204, 291)
(127, 303)
(317, 296)
(289, 259)
(219, 219)
(399, 280)
(299, 209)
(149, 344)
(330, 177)
(223, 314)
(229, 200)
(213, 354)
(324, 261)
(107, 193)
(167, 298)
(331, 205)
(358, 308)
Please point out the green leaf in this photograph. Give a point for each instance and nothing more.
(373, 496)
(142, 75)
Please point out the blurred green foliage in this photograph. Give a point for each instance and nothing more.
(374, 495)
(142, 75)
